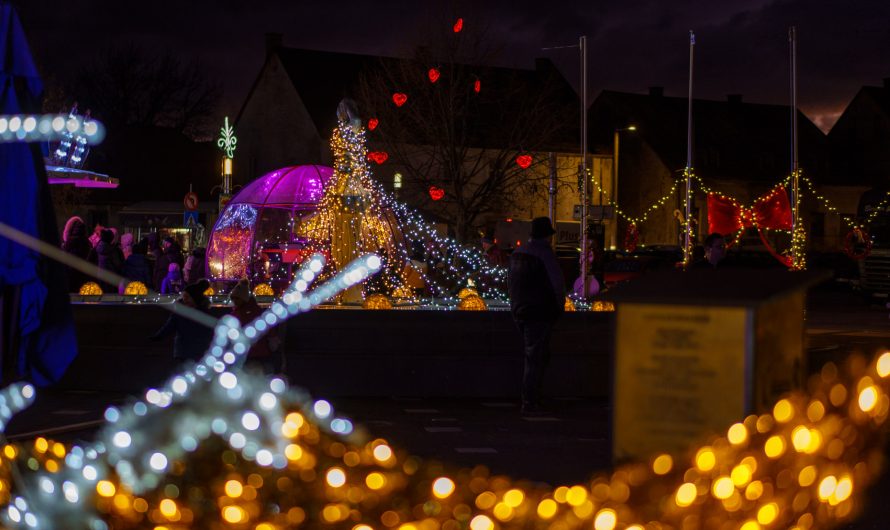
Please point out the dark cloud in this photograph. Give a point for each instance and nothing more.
(741, 46)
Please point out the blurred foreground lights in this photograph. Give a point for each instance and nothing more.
(605, 520)
(90, 289)
(322, 408)
(737, 434)
(686, 494)
(547, 508)
(662, 464)
(883, 365)
(335, 477)
(481, 522)
(158, 462)
(868, 399)
(382, 453)
(442, 487)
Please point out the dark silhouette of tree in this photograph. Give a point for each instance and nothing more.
(463, 132)
(130, 86)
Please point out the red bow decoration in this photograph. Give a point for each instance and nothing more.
(772, 211)
(436, 193)
(399, 99)
(477, 86)
(372, 124)
(378, 156)
(524, 161)
(433, 74)
(458, 25)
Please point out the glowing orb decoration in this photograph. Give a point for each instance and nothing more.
(467, 291)
(90, 289)
(524, 161)
(136, 288)
(570, 306)
(399, 98)
(377, 301)
(472, 303)
(263, 289)
(209, 292)
(602, 306)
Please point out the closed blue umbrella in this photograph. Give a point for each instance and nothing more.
(37, 326)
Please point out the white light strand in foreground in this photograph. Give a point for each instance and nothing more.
(49, 127)
(143, 439)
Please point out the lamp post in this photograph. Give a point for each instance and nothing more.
(616, 141)
(227, 142)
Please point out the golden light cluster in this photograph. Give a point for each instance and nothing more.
(90, 289)
(377, 301)
(602, 305)
(136, 288)
(263, 289)
(804, 466)
(467, 291)
(569, 305)
(472, 303)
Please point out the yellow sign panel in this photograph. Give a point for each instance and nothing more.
(679, 373)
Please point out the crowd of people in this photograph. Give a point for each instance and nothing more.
(158, 263)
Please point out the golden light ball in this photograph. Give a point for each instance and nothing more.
(377, 301)
(569, 305)
(90, 289)
(472, 303)
(467, 291)
(263, 289)
(209, 292)
(136, 289)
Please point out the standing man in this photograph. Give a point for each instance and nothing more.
(537, 299)
(715, 252)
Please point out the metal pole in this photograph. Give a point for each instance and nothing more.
(796, 251)
(615, 180)
(584, 202)
(687, 243)
(551, 210)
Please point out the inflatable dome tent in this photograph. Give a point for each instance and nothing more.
(256, 237)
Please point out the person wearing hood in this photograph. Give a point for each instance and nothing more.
(108, 257)
(194, 268)
(191, 339)
(246, 309)
(172, 282)
(76, 243)
(168, 253)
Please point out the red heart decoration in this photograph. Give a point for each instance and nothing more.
(433, 75)
(399, 99)
(458, 25)
(436, 193)
(372, 124)
(524, 161)
(378, 156)
(477, 86)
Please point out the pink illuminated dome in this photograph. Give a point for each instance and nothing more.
(255, 235)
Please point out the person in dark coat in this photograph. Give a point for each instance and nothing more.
(108, 256)
(715, 254)
(191, 339)
(169, 253)
(194, 268)
(137, 267)
(537, 300)
(76, 243)
(493, 253)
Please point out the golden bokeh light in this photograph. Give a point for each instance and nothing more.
(233, 489)
(547, 508)
(686, 494)
(443, 487)
(705, 459)
(783, 411)
(723, 488)
(882, 366)
(868, 399)
(662, 464)
(737, 434)
(605, 520)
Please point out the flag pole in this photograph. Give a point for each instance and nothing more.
(797, 236)
(687, 240)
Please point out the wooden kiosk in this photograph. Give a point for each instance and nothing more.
(697, 351)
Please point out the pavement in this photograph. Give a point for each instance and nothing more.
(566, 447)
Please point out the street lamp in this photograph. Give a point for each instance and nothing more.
(616, 139)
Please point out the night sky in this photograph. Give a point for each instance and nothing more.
(741, 46)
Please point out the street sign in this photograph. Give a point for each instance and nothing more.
(190, 201)
(594, 212)
(190, 219)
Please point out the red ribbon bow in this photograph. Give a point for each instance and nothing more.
(772, 211)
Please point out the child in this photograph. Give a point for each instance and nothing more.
(172, 283)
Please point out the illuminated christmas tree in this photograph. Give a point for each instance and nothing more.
(351, 218)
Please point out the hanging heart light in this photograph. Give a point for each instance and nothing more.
(378, 156)
(399, 99)
(458, 25)
(372, 124)
(433, 74)
(524, 161)
(436, 193)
